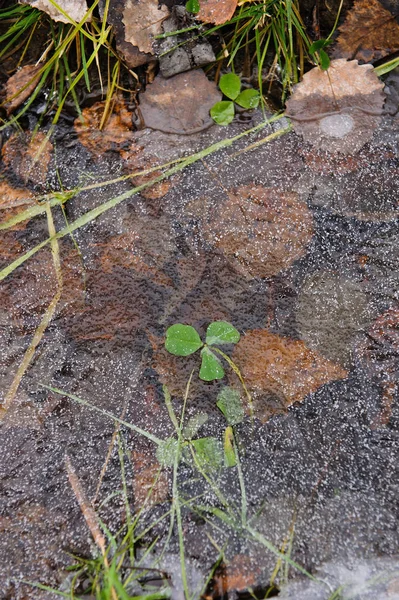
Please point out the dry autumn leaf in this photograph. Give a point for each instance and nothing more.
(143, 20)
(180, 104)
(15, 90)
(369, 32)
(282, 369)
(339, 109)
(75, 9)
(27, 156)
(261, 231)
(216, 11)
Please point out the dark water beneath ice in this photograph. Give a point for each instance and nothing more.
(320, 474)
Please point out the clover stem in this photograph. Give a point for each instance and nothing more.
(240, 377)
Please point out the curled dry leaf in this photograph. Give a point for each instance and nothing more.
(15, 94)
(179, 104)
(216, 11)
(143, 20)
(337, 110)
(282, 369)
(117, 132)
(27, 156)
(369, 32)
(75, 9)
(261, 231)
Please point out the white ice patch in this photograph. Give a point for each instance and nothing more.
(337, 126)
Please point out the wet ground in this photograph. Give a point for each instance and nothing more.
(299, 251)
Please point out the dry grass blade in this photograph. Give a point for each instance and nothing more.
(10, 395)
(86, 508)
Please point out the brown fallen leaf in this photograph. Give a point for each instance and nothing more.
(15, 94)
(261, 231)
(75, 9)
(135, 161)
(179, 104)
(12, 202)
(117, 132)
(143, 20)
(339, 109)
(28, 293)
(216, 11)
(129, 250)
(369, 32)
(27, 156)
(281, 370)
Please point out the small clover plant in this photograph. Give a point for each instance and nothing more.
(230, 84)
(183, 340)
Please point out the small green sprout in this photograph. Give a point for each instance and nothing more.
(183, 340)
(319, 54)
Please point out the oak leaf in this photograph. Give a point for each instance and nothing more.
(216, 11)
(369, 32)
(337, 110)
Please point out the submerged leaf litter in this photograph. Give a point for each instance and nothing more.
(306, 267)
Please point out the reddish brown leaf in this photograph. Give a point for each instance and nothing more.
(339, 109)
(261, 231)
(237, 575)
(27, 156)
(282, 369)
(15, 95)
(216, 11)
(369, 32)
(28, 293)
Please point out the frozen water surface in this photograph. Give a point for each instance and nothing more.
(319, 270)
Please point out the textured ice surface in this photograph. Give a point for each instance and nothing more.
(337, 126)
